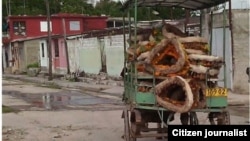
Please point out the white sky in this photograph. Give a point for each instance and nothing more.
(240, 4)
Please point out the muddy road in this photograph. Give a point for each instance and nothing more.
(44, 113)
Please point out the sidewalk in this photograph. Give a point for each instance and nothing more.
(233, 98)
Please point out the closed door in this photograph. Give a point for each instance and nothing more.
(43, 54)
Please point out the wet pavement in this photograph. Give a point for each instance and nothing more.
(63, 100)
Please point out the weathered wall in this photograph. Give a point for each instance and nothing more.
(84, 55)
(240, 21)
(31, 52)
(18, 57)
(73, 55)
(59, 63)
(90, 56)
(114, 47)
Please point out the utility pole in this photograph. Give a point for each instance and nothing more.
(49, 40)
(66, 46)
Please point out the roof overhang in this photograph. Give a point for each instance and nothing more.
(187, 4)
(36, 38)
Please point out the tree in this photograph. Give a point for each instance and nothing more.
(21, 7)
(109, 7)
(146, 13)
(76, 6)
(106, 7)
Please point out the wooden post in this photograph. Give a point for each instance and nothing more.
(49, 40)
(66, 47)
(187, 14)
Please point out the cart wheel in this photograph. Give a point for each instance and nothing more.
(223, 118)
(227, 118)
(127, 130)
(193, 118)
(126, 126)
(135, 130)
(211, 117)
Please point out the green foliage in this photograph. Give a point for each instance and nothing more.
(6, 109)
(145, 13)
(51, 86)
(76, 6)
(33, 65)
(107, 7)
(21, 7)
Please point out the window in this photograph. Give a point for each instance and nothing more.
(44, 26)
(56, 48)
(74, 25)
(19, 28)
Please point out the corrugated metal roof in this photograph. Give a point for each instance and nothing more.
(188, 4)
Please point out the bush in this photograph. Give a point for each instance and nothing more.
(34, 65)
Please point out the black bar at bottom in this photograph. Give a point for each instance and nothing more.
(208, 132)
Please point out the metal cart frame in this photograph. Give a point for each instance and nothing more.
(142, 108)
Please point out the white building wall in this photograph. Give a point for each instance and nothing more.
(89, 55)
(114, 47)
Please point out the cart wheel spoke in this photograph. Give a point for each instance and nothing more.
(193, 119)
(223, 118)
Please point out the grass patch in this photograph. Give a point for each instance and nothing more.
(33, 65)
(52, 86)
(6, 109)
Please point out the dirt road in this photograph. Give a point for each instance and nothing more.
(48, 114)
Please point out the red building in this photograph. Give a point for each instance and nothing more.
(23, 28)
(68, 24)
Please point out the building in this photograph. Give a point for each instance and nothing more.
(23, 28)
(105, 49)
(69, 24)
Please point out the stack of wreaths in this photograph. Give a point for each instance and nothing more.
(183, 61)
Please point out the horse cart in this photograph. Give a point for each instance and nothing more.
(167, 72)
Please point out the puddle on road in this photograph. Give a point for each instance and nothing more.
(55, 101)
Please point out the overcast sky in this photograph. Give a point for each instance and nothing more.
(240, 4)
